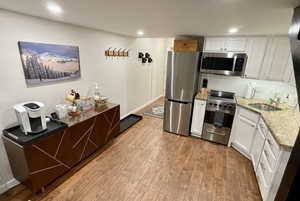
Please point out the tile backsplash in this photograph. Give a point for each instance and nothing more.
(264, 89)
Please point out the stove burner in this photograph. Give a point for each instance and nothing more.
(222, 94)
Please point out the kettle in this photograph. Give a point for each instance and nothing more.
(250, 91)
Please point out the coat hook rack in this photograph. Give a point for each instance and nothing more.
(116, 52)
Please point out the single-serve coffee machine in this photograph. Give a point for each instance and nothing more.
(31, 117)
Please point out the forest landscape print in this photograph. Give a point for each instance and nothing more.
(49, 62)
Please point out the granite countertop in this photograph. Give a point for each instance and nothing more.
(284, 124)
(70, 121)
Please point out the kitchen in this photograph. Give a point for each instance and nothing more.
(237, 110)
(261, 123)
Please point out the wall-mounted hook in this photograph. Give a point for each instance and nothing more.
(107, 52)
(126, 53)
(121, 53)
(141, 55)
(110, 52)
(116, 53)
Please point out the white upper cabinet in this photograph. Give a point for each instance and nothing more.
(255, 50)
(218, 44)
(276, 60)
(289, 75)
(269, 58)
(235, 44)
(214, 44)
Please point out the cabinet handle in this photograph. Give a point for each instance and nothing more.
(266, 153)
(270, 142)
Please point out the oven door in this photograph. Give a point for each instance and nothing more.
(217, 126)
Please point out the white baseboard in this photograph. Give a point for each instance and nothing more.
(240, 149)
(3, 188)
(141, 107)
(11, 183)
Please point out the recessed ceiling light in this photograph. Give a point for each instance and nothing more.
(54, 8)
(140, 33)
(233, 30)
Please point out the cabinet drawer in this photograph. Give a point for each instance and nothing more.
(270, 156)
(186, 45)
(262, 126)
(264, 190)
(273, 144)
(252, 116)
(266, 170)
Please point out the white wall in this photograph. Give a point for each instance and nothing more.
(264, 89)
(124, 80)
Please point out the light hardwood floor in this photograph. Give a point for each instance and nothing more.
(147, 164)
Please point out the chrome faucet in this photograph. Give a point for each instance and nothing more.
(275, 101)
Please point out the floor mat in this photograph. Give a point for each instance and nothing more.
(156, 111)
(129, 121)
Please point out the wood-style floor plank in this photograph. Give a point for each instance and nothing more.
(147, 164)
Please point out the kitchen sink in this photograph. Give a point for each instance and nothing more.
(265, 107)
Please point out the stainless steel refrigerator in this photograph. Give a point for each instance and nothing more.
(181, 87)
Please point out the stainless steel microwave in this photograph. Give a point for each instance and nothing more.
(225, 63)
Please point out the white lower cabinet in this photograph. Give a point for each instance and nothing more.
(244, 127)
(269, 159)
(257, 147)
(198, 118)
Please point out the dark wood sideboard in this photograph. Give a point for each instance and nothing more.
(40, 162)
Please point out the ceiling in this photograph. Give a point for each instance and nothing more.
(168, 18)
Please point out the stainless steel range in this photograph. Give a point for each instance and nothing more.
(219, 114)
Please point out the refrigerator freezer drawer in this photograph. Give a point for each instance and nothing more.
(177, 117)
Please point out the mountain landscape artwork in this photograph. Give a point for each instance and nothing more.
(49, 62)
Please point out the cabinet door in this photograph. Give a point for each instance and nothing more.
(214, 44)
(74, 145)
(42, 161)
(276, 59)
(235, 44)
(107, 126)
(243, 136)
(255, 49)
(198, 117)
(257, 147)
(289, 76)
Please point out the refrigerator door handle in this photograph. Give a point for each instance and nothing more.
(177, 101)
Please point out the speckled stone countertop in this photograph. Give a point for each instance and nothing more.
(70, 121)
(284, 124)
